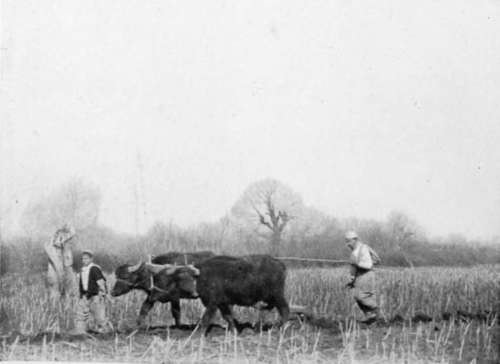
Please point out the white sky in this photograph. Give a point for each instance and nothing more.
(360, 106)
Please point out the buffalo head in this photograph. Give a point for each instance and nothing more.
(175, 279)
(128, 277)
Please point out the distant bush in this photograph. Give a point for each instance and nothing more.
(23, 254)
(4, 258)
(396, 242)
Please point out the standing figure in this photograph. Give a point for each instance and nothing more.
(93, 295)
(362, 283)
(60, 275)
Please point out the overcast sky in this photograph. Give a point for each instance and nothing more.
(362, 107)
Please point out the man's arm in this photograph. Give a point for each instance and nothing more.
(103, 290)
(101, 281)
(352, 272)
(375, 258)
(364, 258)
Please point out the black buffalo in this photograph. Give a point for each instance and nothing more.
(225, 281)
(168, 286)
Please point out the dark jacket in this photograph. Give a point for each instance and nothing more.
(95, 274)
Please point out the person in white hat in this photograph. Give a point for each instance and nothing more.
(60, 276)
(362, 283)
(93, 295)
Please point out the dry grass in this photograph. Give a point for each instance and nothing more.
(404, 292)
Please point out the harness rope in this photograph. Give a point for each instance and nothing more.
(151, 288)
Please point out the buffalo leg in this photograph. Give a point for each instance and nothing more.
(263, 314)
(147, 305)
(228, 316)
(283, 309)
(175, 308)
(207, 317)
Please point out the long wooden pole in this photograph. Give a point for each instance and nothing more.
(330, 261)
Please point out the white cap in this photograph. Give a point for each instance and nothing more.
(88, 252)
(351, 235)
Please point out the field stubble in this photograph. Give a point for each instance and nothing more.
(403, 293)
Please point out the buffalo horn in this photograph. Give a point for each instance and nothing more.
(134, 268)
(195, 270)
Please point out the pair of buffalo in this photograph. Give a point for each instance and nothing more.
(219, 281)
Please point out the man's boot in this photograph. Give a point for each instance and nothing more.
(79, 329)
(370, 317)
(104, 328)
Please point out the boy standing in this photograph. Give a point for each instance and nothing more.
(93, 295)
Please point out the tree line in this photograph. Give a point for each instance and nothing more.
(268, 218)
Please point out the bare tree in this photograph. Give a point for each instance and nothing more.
(312, 222)
(403, 232)
(159, 238)
(76, 202)
(270, 205)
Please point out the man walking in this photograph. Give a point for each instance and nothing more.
(363, 258)
(93, 295)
